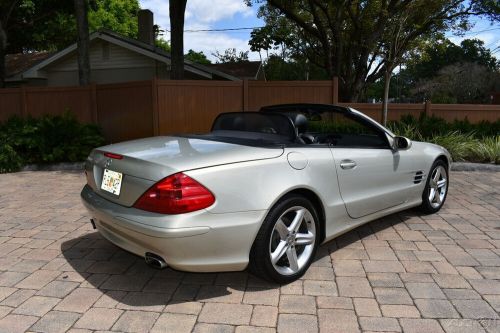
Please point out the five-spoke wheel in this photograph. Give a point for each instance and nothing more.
(292, 240)
(287, 241)
(436, 188)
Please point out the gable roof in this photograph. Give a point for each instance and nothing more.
(242, 69)
(19, 62)
(135, 46)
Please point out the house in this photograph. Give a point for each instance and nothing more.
(113, 58)
(17, 64)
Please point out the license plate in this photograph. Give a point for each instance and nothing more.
(111, 181)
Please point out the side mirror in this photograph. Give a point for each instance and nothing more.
(401, 143)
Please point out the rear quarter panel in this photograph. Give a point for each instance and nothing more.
(258, 185)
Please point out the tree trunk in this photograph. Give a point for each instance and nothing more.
(83, 42)
(387, 82)
(177, 9)
(3, 45)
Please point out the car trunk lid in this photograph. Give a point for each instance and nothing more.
(146, 161)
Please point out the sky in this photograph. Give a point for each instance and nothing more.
(226, 14)
(210, 14)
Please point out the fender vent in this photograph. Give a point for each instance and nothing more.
(419, 175)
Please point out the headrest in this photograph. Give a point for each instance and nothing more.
(300, 122)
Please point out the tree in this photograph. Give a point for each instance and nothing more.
(426, 60)
(348, 38)
(401, 37)
(177, 9)
(460, 83)
(440, 52)
(83, 42)
(197, 57)
(301, 69)
(6, 8)
(50, 25)
(231, 55)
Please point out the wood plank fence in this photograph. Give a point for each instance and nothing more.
(158, 107)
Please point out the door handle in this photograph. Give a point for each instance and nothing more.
(347, 164)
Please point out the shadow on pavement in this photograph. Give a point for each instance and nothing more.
(125, 277)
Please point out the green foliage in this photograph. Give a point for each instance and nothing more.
(10, 161)
(278, 69)
(459, 145)
(231, 55)
(163, 44)
(487, 150)
(48, 139)
(37, 25)
(117, 15)
(359, 41)
(429, 126)
(444, 72)
(197, 57)
(465, 141)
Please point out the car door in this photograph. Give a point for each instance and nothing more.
(371, 176)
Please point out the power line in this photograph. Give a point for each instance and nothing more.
(251, 28)
(477, 32)
(219, 30)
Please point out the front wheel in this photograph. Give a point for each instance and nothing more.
(287, 241)
(436, 188)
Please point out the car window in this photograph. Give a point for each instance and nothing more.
(341, 129)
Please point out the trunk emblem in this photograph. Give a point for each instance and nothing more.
(108, 163)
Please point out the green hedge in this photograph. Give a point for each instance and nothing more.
(48, 139)
(465, 141)
(432, 126)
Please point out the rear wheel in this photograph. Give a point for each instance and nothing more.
(287, 241)
(436, 188)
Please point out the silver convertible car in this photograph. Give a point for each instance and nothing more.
(262, 190)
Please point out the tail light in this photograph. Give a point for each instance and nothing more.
(112, 155)
(176, 194)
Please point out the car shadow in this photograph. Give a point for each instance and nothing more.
(124, 277)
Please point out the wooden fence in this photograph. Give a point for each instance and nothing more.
(158, 107)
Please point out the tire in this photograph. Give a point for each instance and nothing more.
(436, 188)
(280, 237)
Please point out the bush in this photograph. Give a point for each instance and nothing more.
(10, 161)
(49, 139)
(465, 141)
(487, 150)
(459, 145)
(429, 126)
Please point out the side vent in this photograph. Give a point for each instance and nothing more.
(419, 175)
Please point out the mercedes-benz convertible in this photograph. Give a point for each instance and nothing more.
(261, 190)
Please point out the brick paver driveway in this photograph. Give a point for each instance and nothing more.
(406, 272)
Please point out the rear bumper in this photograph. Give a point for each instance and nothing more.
(196, 242)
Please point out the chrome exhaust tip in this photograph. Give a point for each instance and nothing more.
(154, 260)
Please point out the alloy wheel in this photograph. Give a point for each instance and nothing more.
(437, 186)
(292, 240)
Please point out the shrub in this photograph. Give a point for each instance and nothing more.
(459, 145)
(48, 139)
(10, 161)
(429, 126)
(487, 150)
(465, 141)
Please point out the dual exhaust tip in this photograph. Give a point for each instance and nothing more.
(155, 260)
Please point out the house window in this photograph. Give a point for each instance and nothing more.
(105, 51)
